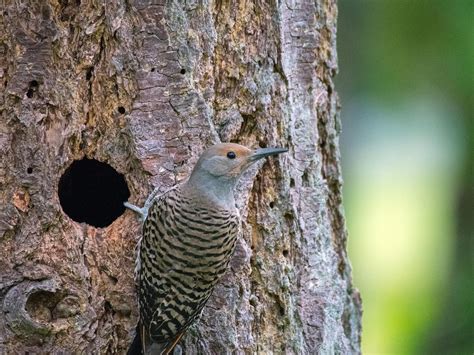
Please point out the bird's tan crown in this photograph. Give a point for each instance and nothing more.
(223, 149)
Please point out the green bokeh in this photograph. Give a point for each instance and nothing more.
(406, 83)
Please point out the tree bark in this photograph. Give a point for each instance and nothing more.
(145, 86)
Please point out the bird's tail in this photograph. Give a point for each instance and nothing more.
(136, 346)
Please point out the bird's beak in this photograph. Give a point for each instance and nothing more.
(265, 152)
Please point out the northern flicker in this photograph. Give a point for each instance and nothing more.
(188, 236)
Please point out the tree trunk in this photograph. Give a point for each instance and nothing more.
(145, 86)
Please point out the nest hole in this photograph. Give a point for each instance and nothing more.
(92, 192)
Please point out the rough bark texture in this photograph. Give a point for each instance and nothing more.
(188, 74)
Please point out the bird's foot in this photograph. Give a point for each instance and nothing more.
(136, 209)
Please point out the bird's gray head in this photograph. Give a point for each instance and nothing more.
(220, 166)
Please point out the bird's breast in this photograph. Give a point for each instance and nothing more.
(193, 239)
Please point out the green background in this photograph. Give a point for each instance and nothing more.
(406, 87)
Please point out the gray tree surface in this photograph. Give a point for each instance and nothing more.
(145, 86)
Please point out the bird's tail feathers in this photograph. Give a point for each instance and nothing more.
(136, 346)
(139, 348)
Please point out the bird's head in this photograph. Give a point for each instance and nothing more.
(221, 165)
(230, 160)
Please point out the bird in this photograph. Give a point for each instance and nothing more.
(188, 236)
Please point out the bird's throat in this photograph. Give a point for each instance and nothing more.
(214, 190)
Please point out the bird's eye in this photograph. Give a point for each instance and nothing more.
(231, 155)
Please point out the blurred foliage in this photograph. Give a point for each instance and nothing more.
(406, 85)
(401, 47)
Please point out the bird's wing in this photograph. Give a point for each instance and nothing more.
(181, 258)
(154, 201)
(160, 330)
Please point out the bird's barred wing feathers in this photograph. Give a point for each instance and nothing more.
(155, 198)
(184, 250)
(167, 303)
